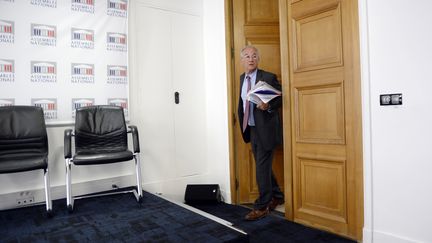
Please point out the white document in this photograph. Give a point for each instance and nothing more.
(262, 92)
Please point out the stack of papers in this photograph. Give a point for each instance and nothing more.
(262, 92)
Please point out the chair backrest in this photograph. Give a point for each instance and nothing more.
(22, 130)
(100, 128)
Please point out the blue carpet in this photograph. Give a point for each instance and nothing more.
(272, 228)
(115, 218)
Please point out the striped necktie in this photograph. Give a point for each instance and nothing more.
(246, 112)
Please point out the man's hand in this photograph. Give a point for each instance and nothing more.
(263, 106)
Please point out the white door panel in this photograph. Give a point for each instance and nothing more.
(170, 59)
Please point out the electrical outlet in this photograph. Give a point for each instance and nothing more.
(391, 99)
(25, 201)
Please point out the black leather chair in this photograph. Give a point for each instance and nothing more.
(100, 138)
(24, 143)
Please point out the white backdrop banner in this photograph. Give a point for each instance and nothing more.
(63, 54)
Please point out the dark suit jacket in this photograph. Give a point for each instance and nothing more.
(267, 123)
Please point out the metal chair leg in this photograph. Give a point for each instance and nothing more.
(47, 193)
(138, 177)
(69, 199)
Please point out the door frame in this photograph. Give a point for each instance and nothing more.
(229, 51)
(232, 120)
(286, 112)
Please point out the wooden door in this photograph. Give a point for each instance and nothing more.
(255, 22)
(322, 66)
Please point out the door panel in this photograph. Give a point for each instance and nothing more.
(322, 187)
(323, 26)
(319, 114)
(255, 22)
(262, 11)
(170, 59)
(159, 144)
(325, 94)
(190, 112)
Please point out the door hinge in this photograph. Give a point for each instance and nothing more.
(234, 119)
(232, 53)
(237, 184)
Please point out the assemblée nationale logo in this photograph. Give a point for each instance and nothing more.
(116, 74)
(7, 102)
(7, 70)
(43, 35)
(49, 106)
(7, 31)
(122, 102)
(117, 8)
(43, 72)
(82, 73)
(44, 3)
(81, 102)
(86, 6)
(116, 42)
(82, 38)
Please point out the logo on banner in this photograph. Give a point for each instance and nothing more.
(82, 73)
(82, 38)
(116, 42)
(43, 35)
(45, 3)
(122, 102)
(9, 1)
(7, 70)
(86, 6)
(7, 31)
(49, 106)
(116, 74)
(117, 8)
(7, 102)
(81, 102)
(43, 72)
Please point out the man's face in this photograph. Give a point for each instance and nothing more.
(249, 60)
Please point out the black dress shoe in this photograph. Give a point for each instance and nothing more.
(257, 214)
(275, 202)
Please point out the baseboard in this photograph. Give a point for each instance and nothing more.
(384, 237)
(37, 196)
(173, 189)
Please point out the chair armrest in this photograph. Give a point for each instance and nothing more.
(67, 143)
(135, 138)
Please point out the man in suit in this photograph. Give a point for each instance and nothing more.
(260, 125)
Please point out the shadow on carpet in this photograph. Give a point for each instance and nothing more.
(115, 218)
(273, 228)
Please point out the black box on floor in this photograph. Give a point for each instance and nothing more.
(202, 194)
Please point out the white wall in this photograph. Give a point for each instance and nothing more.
(396, 58)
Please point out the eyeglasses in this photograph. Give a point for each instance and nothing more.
(254, 57)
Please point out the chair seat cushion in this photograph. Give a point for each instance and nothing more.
(12, 163)
(101, 157)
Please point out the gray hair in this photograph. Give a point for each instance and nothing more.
(249, 47)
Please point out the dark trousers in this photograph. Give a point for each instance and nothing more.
(267, 184)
